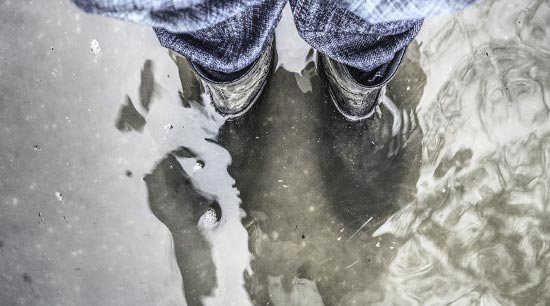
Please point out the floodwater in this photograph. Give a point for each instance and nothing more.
(120, 185)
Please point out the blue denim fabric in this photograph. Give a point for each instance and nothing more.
(178, 16)
(377, 11)
(228, 35)
(348, 38)
(232, 44)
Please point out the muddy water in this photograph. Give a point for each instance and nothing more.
(441, 199)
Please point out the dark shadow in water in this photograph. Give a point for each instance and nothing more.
(268, 146)
(147, 87)
(362, 178)
(298, 140)
(303, 173)
(189, 83)
(365, 182)
(129, 118)
(178, 205)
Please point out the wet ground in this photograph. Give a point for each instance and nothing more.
(121, 186)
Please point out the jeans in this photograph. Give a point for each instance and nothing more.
(229, 35)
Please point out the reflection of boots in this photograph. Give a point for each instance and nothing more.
(235, 97)
(354, 100)
(304, 293)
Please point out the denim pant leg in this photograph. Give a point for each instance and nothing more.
(230, 45)
(221, 35)
(365, 34)
(338, 33)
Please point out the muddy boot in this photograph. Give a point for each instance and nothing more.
(355, 93)
(234, 94)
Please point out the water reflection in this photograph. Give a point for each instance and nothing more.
(438, 203)
(304, 204)
(191, 192)
(477, 233)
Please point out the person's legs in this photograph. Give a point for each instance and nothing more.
(365, 34)
(359, 56)
(345, 37)
(221, 35)
(232, 44)
(225, 41)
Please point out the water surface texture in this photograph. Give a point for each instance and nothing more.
(120, 184)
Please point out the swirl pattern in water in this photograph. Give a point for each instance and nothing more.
(475, 231)
(479, 231)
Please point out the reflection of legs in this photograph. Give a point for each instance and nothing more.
(178, 205)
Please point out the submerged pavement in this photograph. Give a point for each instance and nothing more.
(120, 185)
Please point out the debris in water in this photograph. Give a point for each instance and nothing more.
(94, 46)
(59, 196)
(212, 215)
(37, 148)
(351, 265)
(198, 166)
(362, 226)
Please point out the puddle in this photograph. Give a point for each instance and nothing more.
(441, 198)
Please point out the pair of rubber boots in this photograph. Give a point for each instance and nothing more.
(354, 99)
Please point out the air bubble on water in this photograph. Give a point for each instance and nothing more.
(59, 196)
(94, 46)
(210, 216)
(198, 166)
